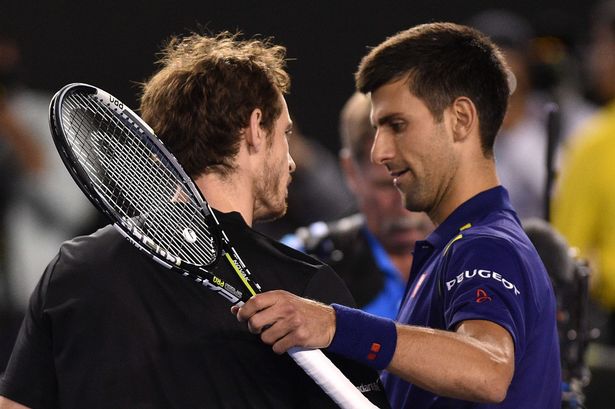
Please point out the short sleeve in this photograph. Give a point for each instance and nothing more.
(29, 378)
(484, 280)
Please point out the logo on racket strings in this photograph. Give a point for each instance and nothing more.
(189, 235)
(217, 284)
(145, 241)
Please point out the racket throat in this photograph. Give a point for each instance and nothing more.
(226, 290)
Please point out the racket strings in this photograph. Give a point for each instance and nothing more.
(164, 210)
(113, 181)
(143, 188)
(156, 190)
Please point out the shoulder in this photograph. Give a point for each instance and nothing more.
(105, 238)
(277, 266)
(500, 229)
(308, 276)
(86, 261)
(80, 271)
(499, 238)
(106, 245)
(500, 250)
(268, 249)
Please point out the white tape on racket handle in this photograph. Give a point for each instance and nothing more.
(330, 378)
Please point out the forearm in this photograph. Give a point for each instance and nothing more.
(476, 362)
(450, 364)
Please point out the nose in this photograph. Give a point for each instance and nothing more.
(291, 164)
(382, 149)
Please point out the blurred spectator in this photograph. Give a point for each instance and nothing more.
(35, 189)
(584, 201)
(584, 206)
(370, 250)
(570, 277)
(316, 192)
(19, 154)
(521, 146)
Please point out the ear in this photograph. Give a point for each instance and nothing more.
(349, 169)
(464, 118)
(254, 134)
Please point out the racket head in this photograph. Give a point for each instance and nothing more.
(128, 174)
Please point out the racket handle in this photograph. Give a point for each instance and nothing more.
(330, 378)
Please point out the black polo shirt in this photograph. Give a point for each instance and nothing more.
(107, 327)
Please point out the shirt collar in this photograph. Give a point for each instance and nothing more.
(470, 212)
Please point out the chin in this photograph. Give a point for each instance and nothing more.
(271, 214)
(412, 202)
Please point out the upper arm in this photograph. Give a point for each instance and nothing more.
(495, 339)
(498, 346)
(30, 373)
(488, 286)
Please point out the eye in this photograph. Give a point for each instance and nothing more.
(397, 126)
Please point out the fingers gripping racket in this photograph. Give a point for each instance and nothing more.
(128, 174)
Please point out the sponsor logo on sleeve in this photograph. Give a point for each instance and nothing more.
(482, 296)
(481, 275)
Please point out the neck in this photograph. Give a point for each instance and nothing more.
(228, 194)
(474, 177)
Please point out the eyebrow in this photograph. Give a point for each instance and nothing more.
(385, 120)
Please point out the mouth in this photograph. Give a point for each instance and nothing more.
(397, 174)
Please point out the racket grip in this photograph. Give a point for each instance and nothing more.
(330, 378)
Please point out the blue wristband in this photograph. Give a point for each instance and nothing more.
(363, 337)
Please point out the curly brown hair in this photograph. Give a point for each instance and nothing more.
(204, 93)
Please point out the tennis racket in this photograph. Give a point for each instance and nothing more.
(128, 174)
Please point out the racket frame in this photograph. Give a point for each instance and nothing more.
(203, 275)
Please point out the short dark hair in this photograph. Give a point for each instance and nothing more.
(356, 130)
(443, 61)
(204, 93)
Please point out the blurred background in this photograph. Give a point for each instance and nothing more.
(113, 45)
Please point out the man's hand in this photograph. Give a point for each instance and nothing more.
(285, 320)
(6, 403)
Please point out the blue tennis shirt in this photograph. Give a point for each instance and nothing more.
(479, 265)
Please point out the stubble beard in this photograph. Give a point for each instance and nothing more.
(271, 203)
(413, 196)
